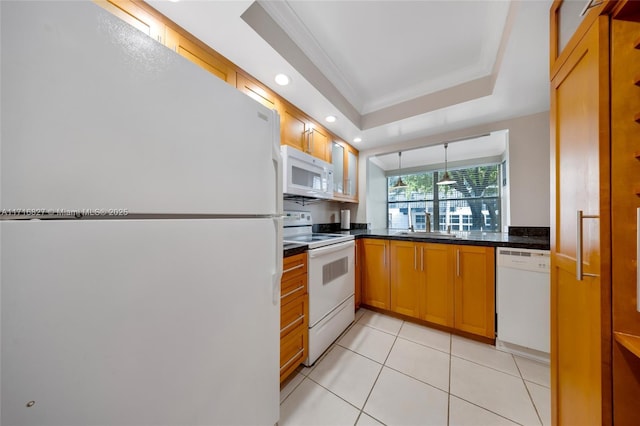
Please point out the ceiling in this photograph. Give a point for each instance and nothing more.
(390, 71)
(491, 147)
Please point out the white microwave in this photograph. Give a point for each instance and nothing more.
(305, 175)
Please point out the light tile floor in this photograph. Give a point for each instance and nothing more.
(385, 371)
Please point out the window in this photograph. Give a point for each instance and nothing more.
(470, 204)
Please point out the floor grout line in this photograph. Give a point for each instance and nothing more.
(383, 365)
(524, 382)
(450, 368)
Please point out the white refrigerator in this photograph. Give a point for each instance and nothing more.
(140, 230)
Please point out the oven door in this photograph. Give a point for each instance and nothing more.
(331, 278)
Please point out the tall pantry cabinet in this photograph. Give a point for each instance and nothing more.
(595, 143)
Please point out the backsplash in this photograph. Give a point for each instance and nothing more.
(530, 231)
(335, 227)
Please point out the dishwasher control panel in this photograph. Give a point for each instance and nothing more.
(527, 259)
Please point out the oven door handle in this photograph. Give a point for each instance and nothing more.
(313, 253)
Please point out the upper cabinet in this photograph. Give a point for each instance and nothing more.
(257, 91)
(143, 17)
(200, 54)
(345, 171)
(296, 128)
(132, 13)
(318, 143)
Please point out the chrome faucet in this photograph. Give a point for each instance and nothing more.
(428, 221)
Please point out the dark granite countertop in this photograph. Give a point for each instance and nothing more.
(291, 249)
(472, 238)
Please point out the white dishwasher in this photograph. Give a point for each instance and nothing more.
(522, 300)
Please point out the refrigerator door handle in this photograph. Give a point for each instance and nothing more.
(276, 156)
(277, 276)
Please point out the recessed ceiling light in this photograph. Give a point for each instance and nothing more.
(282, 79)
(174, 1)
(331, 118)
(356, 140)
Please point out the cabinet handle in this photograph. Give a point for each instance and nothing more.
(291, 292)
(294, 268)
(579, 219)
(292, 359)
(422, 258)
(384, 255)
(457, 262)
(311, 138)
(292, 323)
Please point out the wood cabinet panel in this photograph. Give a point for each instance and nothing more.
(474, 290)
(294, 314)
(436, 295)
(293, 351)
(256, 91)
(293, 128)
(625, 171)
(358, 273)
(294, 266)
(201, 55)
(375, 273)
(133, 13)
(319, 143)
(406, 277)
(580, 334)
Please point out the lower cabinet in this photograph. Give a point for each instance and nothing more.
(406, 276)
(375, 273)
(358, 274)
(437, 288)
(474, 291)
(294, 314)
(444, 284)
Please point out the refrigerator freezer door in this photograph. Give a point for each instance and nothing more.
(148, 322)
(96, 115)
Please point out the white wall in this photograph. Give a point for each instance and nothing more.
(529, 167)
(376, 197)
(324, 211)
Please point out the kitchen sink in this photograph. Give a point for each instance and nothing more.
(435, 235)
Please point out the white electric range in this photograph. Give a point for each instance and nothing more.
(331, 280)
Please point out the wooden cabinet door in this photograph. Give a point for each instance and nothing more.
(293, 128)
(136, 16)
(406, 277)
(474, 290)
(201, 55)
(580, 344)
(358, 273)
(436, 291)
(375, 273)
(256, 91)
(319, 144)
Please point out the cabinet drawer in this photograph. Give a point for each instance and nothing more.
(292, 315)
(292, 351)
(294, 266)
(293, 288)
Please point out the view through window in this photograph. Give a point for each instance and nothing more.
(472, 203)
